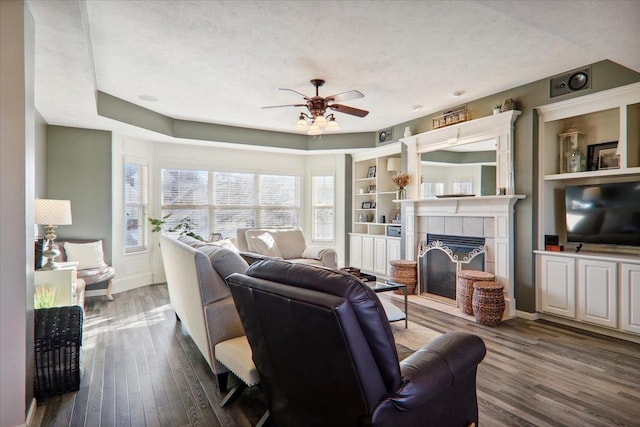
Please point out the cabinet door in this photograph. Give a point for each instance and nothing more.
(630, 298)
(367, 253)
(393, 251)
(355, 251)
(558, 285)
(598, 292)
(380, 255)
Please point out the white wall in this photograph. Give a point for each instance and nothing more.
(17, 190)
(134, 270)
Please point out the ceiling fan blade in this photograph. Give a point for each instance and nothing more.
(345, 96)
(286, 105)
(349, 110)
(294, 91)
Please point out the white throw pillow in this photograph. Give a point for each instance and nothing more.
(88, 255)
(226, 243)
(265, 245)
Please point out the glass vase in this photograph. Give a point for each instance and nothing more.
(402, 194)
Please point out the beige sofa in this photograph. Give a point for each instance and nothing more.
(199, 295)
(285, 243)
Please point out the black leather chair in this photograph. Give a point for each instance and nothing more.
(326, 356)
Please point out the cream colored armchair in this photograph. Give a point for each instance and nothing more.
(285, 243)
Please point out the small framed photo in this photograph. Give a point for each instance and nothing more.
(373, 205)
(603, 156)
(366, 205)
(372, 172)
(372, 189)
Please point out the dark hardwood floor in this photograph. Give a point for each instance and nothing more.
(141, 369)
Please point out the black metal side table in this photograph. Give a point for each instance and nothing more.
(57, 341)
(386, 286)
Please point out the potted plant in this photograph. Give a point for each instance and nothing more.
(401, 180)
(184, 227)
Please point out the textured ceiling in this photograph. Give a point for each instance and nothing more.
(221, 61)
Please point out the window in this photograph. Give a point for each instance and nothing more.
(431, 188)
(221, 202)
(462, 186)
(135, 206)
(323, 206)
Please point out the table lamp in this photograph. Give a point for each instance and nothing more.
(52, 213)
(394, 164)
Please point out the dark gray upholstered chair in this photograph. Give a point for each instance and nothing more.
(326, 355)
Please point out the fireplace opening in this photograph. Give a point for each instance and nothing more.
(440, 259)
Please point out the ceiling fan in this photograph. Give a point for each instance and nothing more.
(316, 121)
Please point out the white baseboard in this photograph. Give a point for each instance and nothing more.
(132, 282)
(31, 413)
(527, 315)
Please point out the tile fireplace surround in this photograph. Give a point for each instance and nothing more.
(488, 216)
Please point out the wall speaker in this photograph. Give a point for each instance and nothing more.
(385, 136)
(572, 81)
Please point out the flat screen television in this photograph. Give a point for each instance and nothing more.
(604, 213)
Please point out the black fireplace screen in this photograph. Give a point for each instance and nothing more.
(438, 271)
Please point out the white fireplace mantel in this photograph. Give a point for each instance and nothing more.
(499, 208)
(499, 127)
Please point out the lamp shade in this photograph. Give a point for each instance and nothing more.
(394, 164)
(53, 212)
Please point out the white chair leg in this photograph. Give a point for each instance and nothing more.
(109, 289)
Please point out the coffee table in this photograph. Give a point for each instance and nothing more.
(394, 314)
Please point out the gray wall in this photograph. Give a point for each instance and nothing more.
(79, 169)
(604, 75)
(41, 157)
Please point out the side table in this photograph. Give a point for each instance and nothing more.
(393, 313)
(64, 282)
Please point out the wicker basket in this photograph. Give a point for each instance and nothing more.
(58, 337)
(405, 272)
(464, 288)
(488, 303)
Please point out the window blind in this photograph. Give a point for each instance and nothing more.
(135, 206)
(221, 202)
(323, 195)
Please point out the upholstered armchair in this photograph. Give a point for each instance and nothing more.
(92, 269)
(326, 355)
(286, 243)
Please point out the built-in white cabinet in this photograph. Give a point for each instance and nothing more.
(598, 292)
(557, 285)
(590, 288)
(393, 251)
(373, 254)
(630, 297)
(600, 285)
(375, 210)
(380, 256)
(367, 253)
(355, 251)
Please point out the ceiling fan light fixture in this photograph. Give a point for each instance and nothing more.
(320, 121)
(332, 126)
(302, 123)
(314, 130)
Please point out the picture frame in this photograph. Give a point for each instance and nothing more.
(373, 205)
(366, 205)
(608, 159)
(603, 156)
(372, 172)
(371, 189)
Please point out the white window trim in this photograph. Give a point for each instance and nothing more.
(314, 206)
(135, 250)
